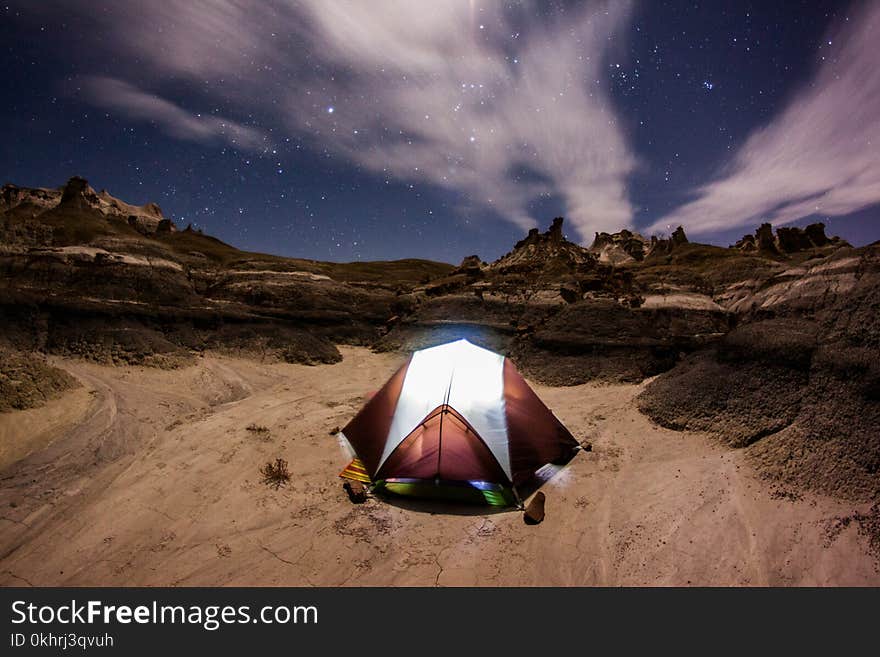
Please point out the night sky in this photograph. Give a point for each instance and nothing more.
(379, 130)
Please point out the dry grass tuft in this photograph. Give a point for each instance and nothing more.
(275, 474)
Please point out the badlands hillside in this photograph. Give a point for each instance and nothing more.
(127, 342)
(85, 274)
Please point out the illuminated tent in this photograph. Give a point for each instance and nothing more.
(458, 421)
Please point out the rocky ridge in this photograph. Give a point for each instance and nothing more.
(788, 239)
(774, 348)
(625, 246)
(77, 195)
(82, 273)
(563, 313)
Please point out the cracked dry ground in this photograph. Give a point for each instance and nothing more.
(150, 477)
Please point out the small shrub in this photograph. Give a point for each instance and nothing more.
(259, 431)
(275, 474)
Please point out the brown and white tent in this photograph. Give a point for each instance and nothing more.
(455, 419)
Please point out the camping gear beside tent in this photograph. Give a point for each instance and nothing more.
(456, 421)
(356, 472)
(357, 494)
(534, 512)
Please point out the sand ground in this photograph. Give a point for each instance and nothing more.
(150, 477)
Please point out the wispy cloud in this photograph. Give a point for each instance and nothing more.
(467, 95)
(134, 103)
(468, 102)
(821, 155)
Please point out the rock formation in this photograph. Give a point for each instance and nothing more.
(788, 239)
(628, 247)
(470, 265)
(747, 244)
(547, 252)
(77, 196)
(618, 248)
(665, 246)
(164, 226)
(12, 196)
(87, 274)
(772, 343)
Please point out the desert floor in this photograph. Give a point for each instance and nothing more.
(150, 477)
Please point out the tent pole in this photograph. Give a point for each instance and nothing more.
(439, 444)
(519, 502)
(443, 411)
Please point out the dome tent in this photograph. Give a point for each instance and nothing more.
(458, 421)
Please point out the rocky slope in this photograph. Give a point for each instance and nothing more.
(566, 313)
(773, 344)
(83, 273)
(774, 349)
(77, 195)
(28, 381)
(797, 382)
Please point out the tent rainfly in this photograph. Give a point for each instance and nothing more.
(456, 421)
